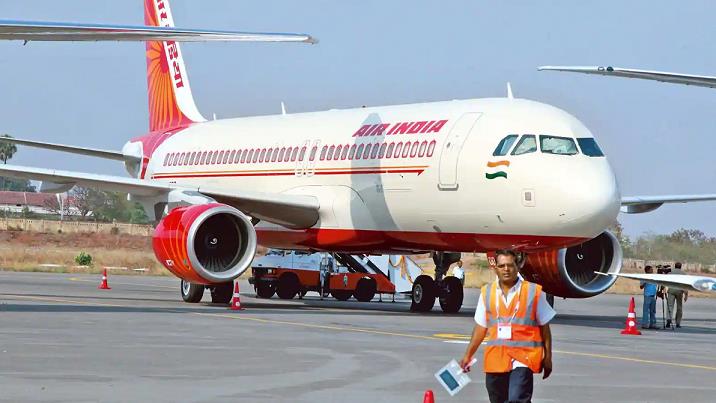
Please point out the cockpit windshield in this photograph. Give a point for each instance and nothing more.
(558, 145)
(505, 144)
(589, 147)
(527, 144)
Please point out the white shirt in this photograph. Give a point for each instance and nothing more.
(458, 272)
(545, 313)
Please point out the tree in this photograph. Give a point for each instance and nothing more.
(54, 206)
(7, 149)
(87, 200)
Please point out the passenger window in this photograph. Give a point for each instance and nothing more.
(389, 150)
(505, 144)
(366, 153)
(527, 144)
(557, 145)
(589, 147)
(344, 154)
(431, 148)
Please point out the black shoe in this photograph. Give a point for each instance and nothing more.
(668, 323)
(653, 327)
(678, 326)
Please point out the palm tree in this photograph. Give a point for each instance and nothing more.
(7, 149)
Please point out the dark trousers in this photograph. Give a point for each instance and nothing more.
(513, 386)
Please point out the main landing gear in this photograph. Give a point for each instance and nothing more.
(220, 293)
(448, 290)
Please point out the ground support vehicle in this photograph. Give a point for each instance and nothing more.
(291, 273)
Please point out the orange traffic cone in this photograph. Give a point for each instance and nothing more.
(428, 398)
(104, 285)
(236, 299)
(630, 327)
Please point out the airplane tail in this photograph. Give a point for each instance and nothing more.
(171, 103)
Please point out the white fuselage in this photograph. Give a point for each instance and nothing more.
(448, 189)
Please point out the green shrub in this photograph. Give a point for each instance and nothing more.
(83, 259)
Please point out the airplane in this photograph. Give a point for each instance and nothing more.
(663, 76)
(472, 175)
(685, 282)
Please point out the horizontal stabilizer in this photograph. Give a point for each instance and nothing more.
(63, 31)
(92, 152)
(663, 76)
(684, 282)
(645, 204)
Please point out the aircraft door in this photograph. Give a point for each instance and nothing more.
(451, 148)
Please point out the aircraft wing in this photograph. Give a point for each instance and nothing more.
(645, 204)
(62, 31)
(293, 211)
(684, 282)
(92, 152)
(663, 76)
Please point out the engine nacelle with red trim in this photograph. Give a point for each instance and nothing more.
(570, 272)
(205, 244)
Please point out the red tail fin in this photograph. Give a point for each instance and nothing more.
(170, 101)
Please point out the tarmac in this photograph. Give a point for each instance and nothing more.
(63, 340)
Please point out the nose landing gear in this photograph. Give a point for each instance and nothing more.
(448, 290)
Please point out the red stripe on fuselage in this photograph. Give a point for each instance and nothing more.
(373, 241)
(283, 173)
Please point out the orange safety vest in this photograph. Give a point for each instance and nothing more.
(526, 344)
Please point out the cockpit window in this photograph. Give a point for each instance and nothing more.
(589, 147)
(558, 145)
(527, 144)
(505, 144)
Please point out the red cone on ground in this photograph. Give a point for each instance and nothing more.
(428, 398)
(236, 299)
(104, 285)
(630, 327)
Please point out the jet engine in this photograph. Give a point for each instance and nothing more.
(205, 244)
(571, 272)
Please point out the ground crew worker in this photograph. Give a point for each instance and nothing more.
(458, 272)
(514, 315)
(648, 313)
(677, 296)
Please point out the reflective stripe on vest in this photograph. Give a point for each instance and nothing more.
(512, 343)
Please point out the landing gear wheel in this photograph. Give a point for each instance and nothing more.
(190, 292)
(265, 289)
(423, 294)
(365, 290)
(341, 295)
(221, 293)
(451, 295)
(288, 286)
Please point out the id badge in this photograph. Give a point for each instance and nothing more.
(504, 331)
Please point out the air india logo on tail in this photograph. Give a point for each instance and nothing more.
(170, 101)
(496, 169)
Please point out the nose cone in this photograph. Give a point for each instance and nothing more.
(593, 198)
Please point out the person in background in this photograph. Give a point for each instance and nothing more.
(648, 320)
(675, 295)
(458, 272)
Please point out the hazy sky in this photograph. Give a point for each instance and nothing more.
(658, 137)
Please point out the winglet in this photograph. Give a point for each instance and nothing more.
(509, 91)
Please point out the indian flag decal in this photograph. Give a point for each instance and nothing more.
(495, 171)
